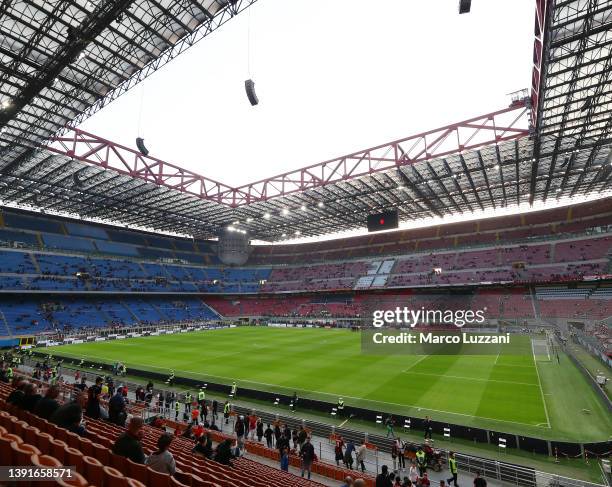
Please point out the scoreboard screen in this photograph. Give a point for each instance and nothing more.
(387, 220)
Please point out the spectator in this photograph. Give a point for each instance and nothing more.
(361, 455)
(268, 434)
(48, 404)
(382, 479)
(17, 394)
(93, 401)
(117, 413)
(307, 453)
(348, 454)
(424, 481)
(162, 460)
(239, 428)
(259, 429)
(338, 451)
(479, 481)
(30, 398)
(70, 415)
(413, 473)
(224, 452)
(128, 444)
(348, 481)
(204, 446)
(284, 460)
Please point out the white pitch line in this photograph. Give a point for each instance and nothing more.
(540, 382)
(410, 406)
(473, 378)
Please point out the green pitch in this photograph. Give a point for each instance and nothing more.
(512, 394)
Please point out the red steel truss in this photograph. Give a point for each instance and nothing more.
(492, 128)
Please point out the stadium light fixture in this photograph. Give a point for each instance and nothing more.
(284, 235)
(297, 232)
(6, 104)
(285, 211)
(303, 207)
(321, 204)
(267, 216)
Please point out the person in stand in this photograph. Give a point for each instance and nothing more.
(268, 434)
(452, 467)
(421, 460)
(239, 428)
(259, 429)
(188, 400)
(307, 454)
(177, 409)
(162, 460)
(215, 407)
(48, 404)
(204, 446)
(338, 453)
(382, 479)
(195, 413)
(129, 443)
(226, 411)
(361, 455)
(401, 460)
(234, 390)
(479, 481)
(93, 401)
(201, 399)
(117, 413)
(277, 434)
(224, 454)
(284, 460)
(348, 454)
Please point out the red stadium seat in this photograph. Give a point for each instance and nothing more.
(58, 449)
(100, 452)
(6, 450)
(93, 471)
(22, 453)
(157, 479)
(74, 457)
(113, 477)
(137, 471)
(75, 480)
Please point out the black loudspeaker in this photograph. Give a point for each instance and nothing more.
(382, 221)
(141, 147)
(249, 86)
(465, 6)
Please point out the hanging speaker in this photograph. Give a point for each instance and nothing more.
(249, 86)
(141, 147)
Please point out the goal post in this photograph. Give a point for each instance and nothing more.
(541, 350)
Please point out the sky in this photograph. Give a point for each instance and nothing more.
(330, 81)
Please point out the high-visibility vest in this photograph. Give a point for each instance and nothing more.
(226, 408)
(420, 455)
(188, 399)
(9, 373)
(452, 465)
(201, 396)
(234, 387)
(340, 404)
(177, 406)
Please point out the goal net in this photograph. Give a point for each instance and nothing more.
(541, 350)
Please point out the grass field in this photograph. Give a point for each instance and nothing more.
(515, 394)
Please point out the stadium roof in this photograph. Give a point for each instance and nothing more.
(554, 143)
